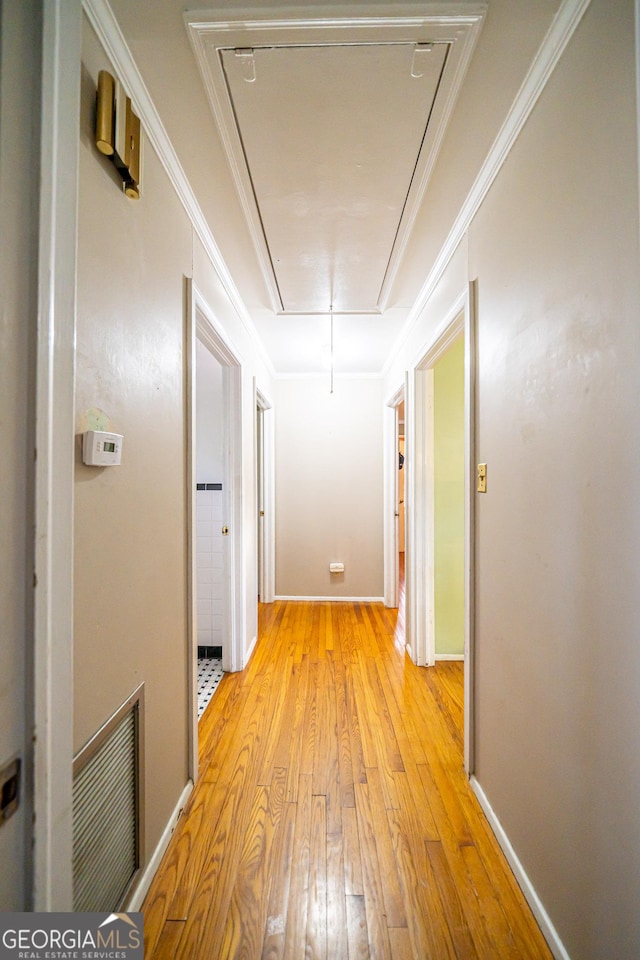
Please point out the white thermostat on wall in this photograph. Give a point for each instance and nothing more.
(100, 449)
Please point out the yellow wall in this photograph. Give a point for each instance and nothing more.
(448, 389)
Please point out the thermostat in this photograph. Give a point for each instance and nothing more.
(100, 449)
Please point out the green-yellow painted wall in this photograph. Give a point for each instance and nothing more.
(448, 403)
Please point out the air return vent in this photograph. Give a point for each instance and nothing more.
(107, 810)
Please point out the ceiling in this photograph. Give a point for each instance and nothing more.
(331, 130)
(312, 136)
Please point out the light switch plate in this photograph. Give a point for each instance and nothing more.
(482, 478)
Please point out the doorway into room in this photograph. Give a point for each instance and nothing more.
(447, 456)
(265, 497)
(212, 514)
(440, 576)
(401, 538)
(214, 510)
(395, 451)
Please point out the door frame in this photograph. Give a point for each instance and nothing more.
(460, 319)
(203, 326)
(51, 696)
(390, 469)
(265, 498)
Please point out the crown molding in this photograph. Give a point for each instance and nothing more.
(104, 23)
(551, 49)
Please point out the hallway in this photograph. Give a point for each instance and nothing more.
(333, 818)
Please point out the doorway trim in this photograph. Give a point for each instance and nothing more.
(391, 544)
(52, 703)
(266, 561)
(460, 319)
(203, 326)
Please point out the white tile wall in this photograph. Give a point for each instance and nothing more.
(209, 567)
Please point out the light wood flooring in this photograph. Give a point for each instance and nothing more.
(332, 818)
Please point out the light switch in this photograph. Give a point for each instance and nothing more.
(482, 478)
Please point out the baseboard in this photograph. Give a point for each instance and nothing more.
(250, 651)
(537, 908)
(135, 901)
(334, 599)
(449, 656)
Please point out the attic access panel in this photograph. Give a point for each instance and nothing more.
(331, 129)
(331, 138)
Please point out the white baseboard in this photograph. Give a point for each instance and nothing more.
(250, 652)
(334, 599)
(135, 900)
(537, 908)
(449, 656)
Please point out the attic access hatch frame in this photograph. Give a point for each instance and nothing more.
(457, 25)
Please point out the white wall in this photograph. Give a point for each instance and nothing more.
(329, 487)
(209, 459)
(554, 251)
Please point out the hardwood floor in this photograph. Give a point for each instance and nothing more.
(332, 818)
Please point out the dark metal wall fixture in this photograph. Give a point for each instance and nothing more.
(118, 133)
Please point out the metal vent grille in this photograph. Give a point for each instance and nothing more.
(106, 811)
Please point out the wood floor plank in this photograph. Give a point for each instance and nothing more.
(343, 735)
(168, 942)
(357, 935)
(316, 940)
(391, 890)
(427, 926)
(450, 898)
(353, 720)
(272, 732)
(310, 731)
(336, 902)
(330, 751)
(372, 880)
(295, 735)
(246, 919)
(275, 927)
(491, 911)
(400, 941)
(296, 929)
(352, 859)
(333, 818)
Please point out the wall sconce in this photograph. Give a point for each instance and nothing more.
(118, 133)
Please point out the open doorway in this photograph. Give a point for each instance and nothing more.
(440, 576)
(394, 499)
(401, 544)
(401, 485)
(265, 497)
(212, 514)
(214, 508)
(447, 455)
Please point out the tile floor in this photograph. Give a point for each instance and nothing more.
(209, 676)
